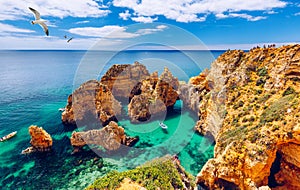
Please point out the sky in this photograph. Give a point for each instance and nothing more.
(216, 24)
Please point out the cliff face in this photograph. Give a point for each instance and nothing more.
(40, 141)
(152, 96)
(120, 79)
(90, 103)
(110, 137)
(252, 110)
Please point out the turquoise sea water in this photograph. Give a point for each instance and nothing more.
(34, 84)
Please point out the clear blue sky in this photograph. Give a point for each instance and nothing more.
(219, 24)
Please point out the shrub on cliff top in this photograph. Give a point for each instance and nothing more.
(289, 91)
(156, 174)
(276, 111)
(262, 71)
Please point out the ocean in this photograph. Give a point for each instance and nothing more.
(34, 84)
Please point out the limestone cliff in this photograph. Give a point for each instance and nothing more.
(152, 96)
(111, 137)
(252, 110)
(120, 79)
(40, 141)
(193, 92)
(90, 103)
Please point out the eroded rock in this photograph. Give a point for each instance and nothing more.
(91, 103)
(40, 141)
(111, 137)
(153, 96)
(121, 79)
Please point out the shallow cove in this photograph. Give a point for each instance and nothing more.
(32, 93)
(192, 149)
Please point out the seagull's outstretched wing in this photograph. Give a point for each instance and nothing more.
(45, 27)
(36, 13)
(70, 39)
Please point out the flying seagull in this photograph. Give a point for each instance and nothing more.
(70, 39)
(39, 21)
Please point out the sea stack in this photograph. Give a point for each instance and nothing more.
(121, 79)
(40, 141)
(93, 102)
(153, 96)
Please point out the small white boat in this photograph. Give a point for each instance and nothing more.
(62, 109)
(6, 137)
(162, 125)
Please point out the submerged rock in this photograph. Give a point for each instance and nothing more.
(111, 137)
(257, 123)
(40, 141)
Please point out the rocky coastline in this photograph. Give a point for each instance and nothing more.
(248, 102)
(257, 129)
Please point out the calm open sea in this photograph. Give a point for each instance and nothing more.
(34, 84)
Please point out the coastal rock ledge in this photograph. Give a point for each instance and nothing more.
(257, 123)
(111, 137)
(40, 141)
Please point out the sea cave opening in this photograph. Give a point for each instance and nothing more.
(275, 168)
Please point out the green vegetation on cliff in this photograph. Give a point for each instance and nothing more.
(162, 173)
(261, 128)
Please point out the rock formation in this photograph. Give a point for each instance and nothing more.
(193, 94)
(153, 96)
(252, 110)
(120, 79)
(90, 103)
(40, 141)
(111, 137)
(148, 95)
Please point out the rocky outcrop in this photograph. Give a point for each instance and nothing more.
(253, 113)
(121, 79)
(90, 103)
(148, 95)
(111, 137)
(195, 95)
(67, 115)
(153, 96)
(40, 141)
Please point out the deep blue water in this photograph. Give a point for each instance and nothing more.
(34, 84)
